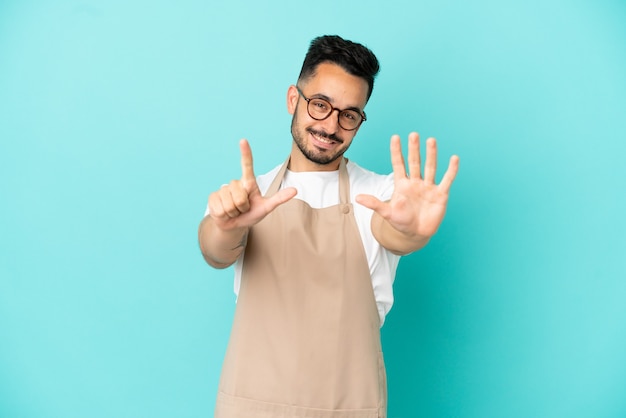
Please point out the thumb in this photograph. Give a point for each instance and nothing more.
(371, 202)
(279, 198)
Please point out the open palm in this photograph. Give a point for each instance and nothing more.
(417, 205)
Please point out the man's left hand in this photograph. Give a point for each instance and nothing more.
(417, 205)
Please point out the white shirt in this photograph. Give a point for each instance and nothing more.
(320, 189)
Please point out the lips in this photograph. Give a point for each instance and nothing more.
(323, 141)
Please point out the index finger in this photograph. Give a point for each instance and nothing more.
(397, 159)
(247, 171)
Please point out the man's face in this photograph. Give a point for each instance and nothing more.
(318, 144)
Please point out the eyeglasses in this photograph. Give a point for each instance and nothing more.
(320, 109)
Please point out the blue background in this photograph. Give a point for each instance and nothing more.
(118, 118)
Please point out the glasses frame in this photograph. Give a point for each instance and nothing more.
(332, 109)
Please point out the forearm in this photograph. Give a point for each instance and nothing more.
(396, 241)
(220, 248)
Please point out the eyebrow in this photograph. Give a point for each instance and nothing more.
(331, 101)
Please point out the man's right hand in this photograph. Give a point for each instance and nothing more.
(240, 204)
(233, 209)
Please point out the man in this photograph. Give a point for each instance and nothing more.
(316, 242)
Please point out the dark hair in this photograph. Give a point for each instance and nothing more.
(355, 58)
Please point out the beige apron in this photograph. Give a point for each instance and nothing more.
(305, 340)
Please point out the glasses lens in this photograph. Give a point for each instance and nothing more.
(349, 119)
(319, 109)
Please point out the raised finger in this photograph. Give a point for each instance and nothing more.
(431, 161)
(414, 156)
(397, 159)
(448, 178)
(247, 170)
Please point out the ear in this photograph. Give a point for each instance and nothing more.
(292, 99)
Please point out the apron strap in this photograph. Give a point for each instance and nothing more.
(278, 179)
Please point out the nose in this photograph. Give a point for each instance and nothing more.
(331, 123)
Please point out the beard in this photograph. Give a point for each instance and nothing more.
(315, 155)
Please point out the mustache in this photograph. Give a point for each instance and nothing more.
(322, 134)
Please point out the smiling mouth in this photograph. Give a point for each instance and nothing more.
(325, 139)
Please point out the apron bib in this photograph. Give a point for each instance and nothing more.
(305, 340)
